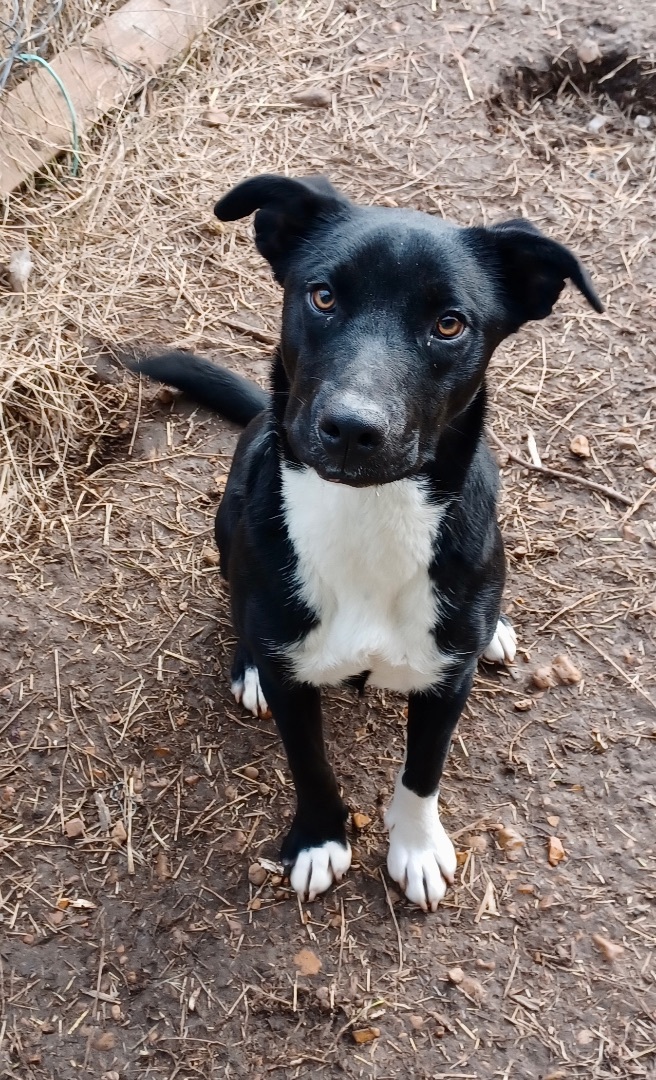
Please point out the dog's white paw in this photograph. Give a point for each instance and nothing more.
(421, 858)
(317, 868)
(503, 646)
(248, 692)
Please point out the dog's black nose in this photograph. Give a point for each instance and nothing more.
(350, 435)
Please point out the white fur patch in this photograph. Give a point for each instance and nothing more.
(317, 868)
(503, 646)
(363, 557)
(421, 857)
(248, 692)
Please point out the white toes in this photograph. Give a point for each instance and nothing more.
(421, 858)
(248, 692)
(503, 646)
(317, 868)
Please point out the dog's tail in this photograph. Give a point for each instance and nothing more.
(214, 387)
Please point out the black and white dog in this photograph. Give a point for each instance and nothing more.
(358, 528)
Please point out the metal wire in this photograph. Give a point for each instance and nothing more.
(26, 33)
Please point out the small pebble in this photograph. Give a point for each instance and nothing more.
(580, 446)
(314, 99)
(595, 125)
(588, 51)
(257, 874)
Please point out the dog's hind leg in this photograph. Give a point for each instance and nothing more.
(245, 684)
(503, 645)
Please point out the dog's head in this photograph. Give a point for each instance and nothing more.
(390, 318)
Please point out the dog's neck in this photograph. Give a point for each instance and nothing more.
(455, 450)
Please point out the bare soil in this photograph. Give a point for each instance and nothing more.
(141, 934)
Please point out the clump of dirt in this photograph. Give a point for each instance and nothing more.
(618, 75)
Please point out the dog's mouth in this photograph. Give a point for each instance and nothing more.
(359, 478)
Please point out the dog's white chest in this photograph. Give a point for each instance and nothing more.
(363, 557)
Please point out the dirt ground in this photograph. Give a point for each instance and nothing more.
(146, 931)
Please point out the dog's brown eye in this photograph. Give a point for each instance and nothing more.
(322, 298)
(449, 325)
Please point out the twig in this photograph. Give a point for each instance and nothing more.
(613, 663)
(394, 920)
(129, 812)
(637, 504)
(582, 481)
(264, 336)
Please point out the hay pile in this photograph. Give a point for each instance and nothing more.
(129, 255)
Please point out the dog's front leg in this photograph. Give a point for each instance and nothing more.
(421, 857)
(315, 851)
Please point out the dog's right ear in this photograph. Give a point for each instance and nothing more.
(287, 210)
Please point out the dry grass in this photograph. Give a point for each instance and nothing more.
(119, 635)
(133, 237)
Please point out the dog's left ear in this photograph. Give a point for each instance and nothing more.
(533, 270)
(287, 210)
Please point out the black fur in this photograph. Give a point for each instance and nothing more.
(365, 394)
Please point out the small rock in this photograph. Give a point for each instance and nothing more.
(28, 939)
(555, 851)
(361, 1036)
(523, 704)
(105, 1040)
(257, 875)
(307, 962)
(588, 51)
(642, 122)
(209, 556)
(395, 28)
(119, 833)
(595, 125)
(650, 465)
(553, 820)
(477, 843)
(609, 949)
(565, 670)
(57, 917)
(455, 975)
(510, 840)
(165, 395)
(115, 1011)
(631, 534)
(416, 1022)
(111, 1075)
(360, 821)
(470, 986)
(580, 446)
(251, 773)
(20, 267)
(542, 678)
(215, 118)
(235, 842)
(162, 868)
(74, 828)
(315, 98)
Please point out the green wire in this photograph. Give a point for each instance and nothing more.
(32, 58)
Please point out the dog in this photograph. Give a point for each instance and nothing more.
(358, 530)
